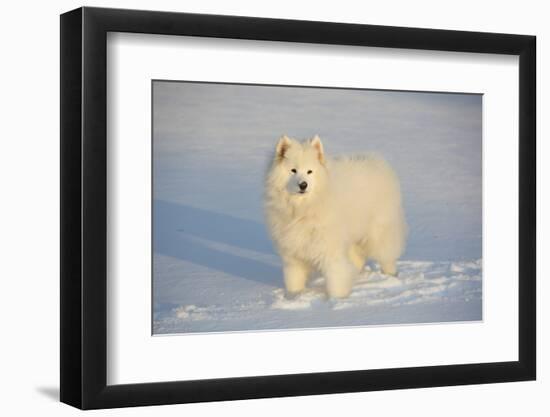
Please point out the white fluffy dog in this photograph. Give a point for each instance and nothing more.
(331, 215)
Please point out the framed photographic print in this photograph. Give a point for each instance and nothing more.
(257, 207)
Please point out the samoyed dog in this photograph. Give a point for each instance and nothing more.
(331, 215)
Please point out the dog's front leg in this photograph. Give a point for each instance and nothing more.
(295, 275)
(339, 274)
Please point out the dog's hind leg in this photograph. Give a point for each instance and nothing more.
(357, 256)
(388, 267)
(386, 245)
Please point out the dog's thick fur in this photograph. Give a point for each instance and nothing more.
(349, 211)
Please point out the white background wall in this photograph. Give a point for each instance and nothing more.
(29, 238)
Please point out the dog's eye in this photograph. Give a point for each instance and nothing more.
(310, 172)
(293, 171)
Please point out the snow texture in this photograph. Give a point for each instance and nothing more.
(214, 268)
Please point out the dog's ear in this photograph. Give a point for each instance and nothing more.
(318, 146)
(282, 147)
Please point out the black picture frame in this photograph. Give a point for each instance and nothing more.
(84, 207)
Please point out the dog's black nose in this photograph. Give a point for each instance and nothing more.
(303, 185)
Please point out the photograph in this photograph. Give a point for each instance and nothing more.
(297, 206)
(280, 207)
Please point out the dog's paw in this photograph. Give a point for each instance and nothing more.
(338, 293)
(292, 295)
(389, 268)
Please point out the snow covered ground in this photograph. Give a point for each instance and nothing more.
(214, 268)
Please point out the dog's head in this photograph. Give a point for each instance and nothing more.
(300, 167)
